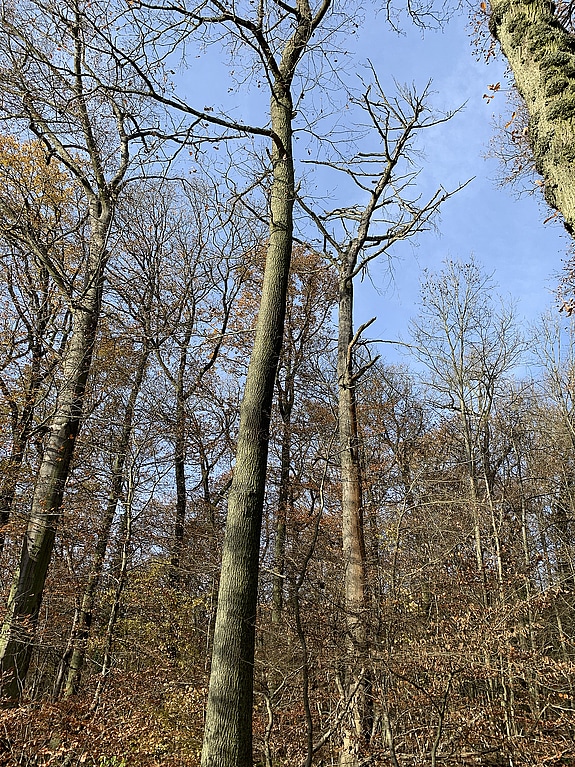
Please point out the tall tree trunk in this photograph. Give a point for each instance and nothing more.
(180, 463)
(285, 496)
(84, 621)
(541, 54)
(228, 727)
(25, 597)
(352, 526)
(281, 527)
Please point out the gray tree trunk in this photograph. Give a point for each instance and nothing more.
(285, 495)
(25, 598)
(228, 728)
(352, 525)
(179, 464)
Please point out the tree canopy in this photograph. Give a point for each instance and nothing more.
(231, 531)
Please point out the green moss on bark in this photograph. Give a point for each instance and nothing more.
(556, 85)
(562, 108)
(542, 57)
(556, 59)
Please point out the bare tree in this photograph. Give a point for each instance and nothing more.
(357, 235)
(278, 35)
(51, 85)
(228, 729)
(469, 346)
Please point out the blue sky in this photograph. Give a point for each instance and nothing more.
(506, 234)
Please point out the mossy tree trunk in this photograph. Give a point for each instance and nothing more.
(541, 54)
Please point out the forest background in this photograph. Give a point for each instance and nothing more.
(130, 296)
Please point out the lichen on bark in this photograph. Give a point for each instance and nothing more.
(541, 55)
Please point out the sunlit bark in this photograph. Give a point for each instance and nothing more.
(541, 54)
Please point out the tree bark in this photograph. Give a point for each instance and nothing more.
(541, 54)
(285, 495)
(25, 598)
(281, 526)
(352, 525)
(180, 475)
(179, 466)
(228, 728)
